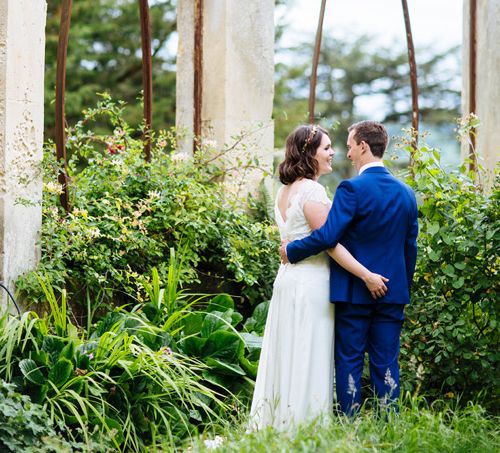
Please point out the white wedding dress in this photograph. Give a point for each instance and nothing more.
(295, 375)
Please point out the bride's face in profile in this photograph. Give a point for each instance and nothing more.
(324, 155)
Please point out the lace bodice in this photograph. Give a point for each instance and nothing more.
(296, 226)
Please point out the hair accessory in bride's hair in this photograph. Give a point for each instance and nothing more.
(310, 137)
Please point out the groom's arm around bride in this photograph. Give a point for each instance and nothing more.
(374, 216)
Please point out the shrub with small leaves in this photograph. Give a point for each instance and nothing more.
(25, 426)
(127, 213)
(450, 342)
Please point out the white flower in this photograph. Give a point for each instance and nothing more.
(212, 444)
(94, 232)
(154, 194)
(390, 382)
(352, 387)
(211, 144)
(420, 372)
(53, 187)
(180, 157)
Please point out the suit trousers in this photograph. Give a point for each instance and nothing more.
(373, 328)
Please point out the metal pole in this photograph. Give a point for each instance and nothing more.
(413, 76)
(147, 75)
(62, 50)
(314, 72)
(472, 79)
(198, 70)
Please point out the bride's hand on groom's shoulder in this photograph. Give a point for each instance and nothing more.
(282, 251)
(376, 285)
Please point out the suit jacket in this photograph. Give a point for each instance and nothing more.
(374, 215)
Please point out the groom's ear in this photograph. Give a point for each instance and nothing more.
(365, 147)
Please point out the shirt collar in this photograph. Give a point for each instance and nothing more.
(370, 165)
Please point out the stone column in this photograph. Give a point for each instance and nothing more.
(238, 79)
(487, 80)
(184, 103)
(22, 51)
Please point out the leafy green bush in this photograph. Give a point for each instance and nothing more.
(121, 378)
(25, 426)
(126, 214)
(450, 342)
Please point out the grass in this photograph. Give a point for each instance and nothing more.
(419, 427)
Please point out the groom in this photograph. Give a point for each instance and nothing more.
(375, 217)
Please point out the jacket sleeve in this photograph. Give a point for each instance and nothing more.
(411, 243)
(340, 216)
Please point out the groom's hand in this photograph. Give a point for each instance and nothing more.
(283, 256)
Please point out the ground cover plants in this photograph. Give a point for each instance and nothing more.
(418, 427)
(120, 355)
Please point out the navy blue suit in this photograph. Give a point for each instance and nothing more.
(374, 216)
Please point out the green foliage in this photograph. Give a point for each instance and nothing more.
(450, 341)
(104, 54)
(212, 337)
(25, 426)
(256, 323)
(119, 381)
(127, 214)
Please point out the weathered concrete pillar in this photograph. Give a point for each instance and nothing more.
(184, 103)
(22, 51)
(238, 78)
(487, 79)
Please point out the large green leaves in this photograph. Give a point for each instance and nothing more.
(61, 372)
(223, 345)
(31, 371)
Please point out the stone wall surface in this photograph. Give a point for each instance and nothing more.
(238, 82)
(487, 80)
(22, 50)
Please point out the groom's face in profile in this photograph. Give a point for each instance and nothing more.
(354, 150)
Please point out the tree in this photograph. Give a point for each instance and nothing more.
(104, 54)
(352, 69)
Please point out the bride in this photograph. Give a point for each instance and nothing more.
(295, 375)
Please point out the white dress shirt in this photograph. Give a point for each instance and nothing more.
(370, 165)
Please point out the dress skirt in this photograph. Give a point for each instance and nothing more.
(295, 375)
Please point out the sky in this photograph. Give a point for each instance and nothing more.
(436, 23)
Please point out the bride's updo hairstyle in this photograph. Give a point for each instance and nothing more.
(301, 146)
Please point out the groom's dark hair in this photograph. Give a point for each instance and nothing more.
(372, 133)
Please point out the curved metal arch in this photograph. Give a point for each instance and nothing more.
(472, 79)
(314, 72)
(411, 61)
(147, 81)
(413, 77)
(62, 50)
(147, 75)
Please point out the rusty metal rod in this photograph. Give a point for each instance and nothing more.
(198, 71)
(472, 79)
(62, 50)
(314, 72)
(413, 76)
(147, 75)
